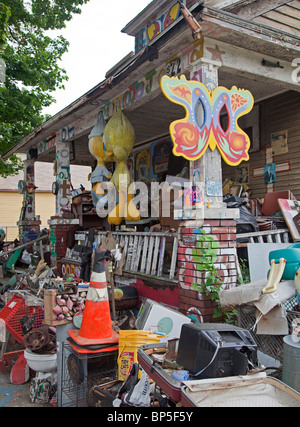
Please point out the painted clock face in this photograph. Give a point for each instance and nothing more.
(21, 187)
(55, 188)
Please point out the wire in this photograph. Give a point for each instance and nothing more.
(213, 358)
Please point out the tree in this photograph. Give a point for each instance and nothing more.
(31, 57)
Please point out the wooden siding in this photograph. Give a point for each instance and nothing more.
(10, 206)
(284, 18)
(277, 14)
(276, 114)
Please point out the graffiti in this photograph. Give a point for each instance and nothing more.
(47, 144)
(71, 270)
(134, 93)
(194, 254)
(151, 81)
(191, 138)
(67, 133)
(156, 27)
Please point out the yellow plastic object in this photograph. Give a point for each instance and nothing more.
(297, 280)
(97, 150)
(129, 343)
(119, 136)
(275, 276)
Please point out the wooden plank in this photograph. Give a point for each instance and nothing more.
(283, 19)
(289, 11)
(174, 258)
(144, 257)
(138, 254)
(277, 26)
(126, 239)
(134, 253)
(155, 255)
(129, 253)
(295, 4)
(150, 255)
(161, 256)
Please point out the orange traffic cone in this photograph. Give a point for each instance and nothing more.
(96, 328)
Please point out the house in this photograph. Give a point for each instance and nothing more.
(250, 45)
(45, 201)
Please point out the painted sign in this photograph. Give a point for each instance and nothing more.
(149, 33)
(143, 162)
(195, 133)
(138, 90)
(160, 153)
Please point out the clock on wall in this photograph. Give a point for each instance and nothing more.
(55, 187)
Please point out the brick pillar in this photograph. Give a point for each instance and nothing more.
(222, 252)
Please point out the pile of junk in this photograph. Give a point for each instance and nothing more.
(99, 344)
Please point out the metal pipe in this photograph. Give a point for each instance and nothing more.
(24, 245)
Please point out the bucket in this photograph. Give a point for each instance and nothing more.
(129, 343)
(291, 363)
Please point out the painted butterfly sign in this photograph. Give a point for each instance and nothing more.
(193, 134)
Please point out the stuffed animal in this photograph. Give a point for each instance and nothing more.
(119, 136)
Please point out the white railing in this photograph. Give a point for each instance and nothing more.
(148, 254)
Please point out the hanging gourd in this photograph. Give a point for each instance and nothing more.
(97, 149)
(119, 136)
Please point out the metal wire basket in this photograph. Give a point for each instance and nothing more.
(82, 372)
(271, 345)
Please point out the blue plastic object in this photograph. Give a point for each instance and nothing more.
(181, 376)
(292, 257)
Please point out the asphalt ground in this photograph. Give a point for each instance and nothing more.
(16, 396)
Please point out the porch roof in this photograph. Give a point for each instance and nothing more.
(217, 24)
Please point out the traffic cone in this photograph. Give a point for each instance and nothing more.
(96, 328)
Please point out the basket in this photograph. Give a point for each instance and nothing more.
(13, 312)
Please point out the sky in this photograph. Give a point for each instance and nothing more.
(96, 45)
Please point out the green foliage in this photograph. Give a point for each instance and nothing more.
(205, 255)
(31, 56)
(244, 271)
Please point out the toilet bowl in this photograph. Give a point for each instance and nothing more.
(41, 362)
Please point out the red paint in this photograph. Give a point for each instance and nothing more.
(162, 295)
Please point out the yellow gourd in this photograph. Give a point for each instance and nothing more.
(119, 136)
(97, 149)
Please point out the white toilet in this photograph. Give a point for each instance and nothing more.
(41, 362)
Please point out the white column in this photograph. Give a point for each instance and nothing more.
(210, 165)
(63, 178)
